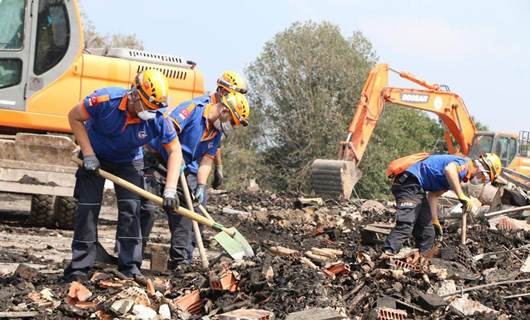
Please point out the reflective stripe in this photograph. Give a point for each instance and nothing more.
(88, 204)
(84, 241)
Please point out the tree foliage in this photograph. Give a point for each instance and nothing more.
(303, 90)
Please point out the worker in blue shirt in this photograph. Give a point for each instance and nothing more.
(228, 82)
(418, 189)
(200, 124)
(110, 126)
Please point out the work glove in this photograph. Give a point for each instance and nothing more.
(218, 177)
(91, 163)
(199, 193)
(467, 203)
(438, 230)
(171, 200)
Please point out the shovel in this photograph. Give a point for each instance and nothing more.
(233, 241)
(221, 237)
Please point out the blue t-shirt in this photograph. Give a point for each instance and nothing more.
(196, 137)
(430, 172)
(116, 137)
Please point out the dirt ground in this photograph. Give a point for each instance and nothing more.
(276, 282)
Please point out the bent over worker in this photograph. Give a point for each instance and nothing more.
(110, 126)
(228, 82)
(200, 124)
(418, 189)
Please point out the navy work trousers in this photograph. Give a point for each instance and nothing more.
(413, 215)
(89, 192)
(181, 228)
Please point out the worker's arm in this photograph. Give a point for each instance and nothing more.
(76, 117)
(218, 160)
(218, 176)
(205, 167)
(451, 173)
(433, 198)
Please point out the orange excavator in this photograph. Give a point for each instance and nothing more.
(338, 177)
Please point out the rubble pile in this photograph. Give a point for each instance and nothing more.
(313, 259)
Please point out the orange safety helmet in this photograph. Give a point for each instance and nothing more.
(153, 88)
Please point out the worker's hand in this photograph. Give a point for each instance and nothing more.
(467, 203)
(171, 200)
(218, 177)
(199, 193)
(438, 230)
(91, 163)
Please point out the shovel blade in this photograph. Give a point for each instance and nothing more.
(237, 247)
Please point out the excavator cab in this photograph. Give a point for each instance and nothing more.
(502, 144)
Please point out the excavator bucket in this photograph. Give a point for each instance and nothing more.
(334, 178)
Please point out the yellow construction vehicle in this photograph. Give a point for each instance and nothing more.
(44, 71)
(338, 177)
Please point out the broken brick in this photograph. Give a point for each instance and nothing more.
(78, 292)
(190, 303)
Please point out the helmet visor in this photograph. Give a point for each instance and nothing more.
(230, 87)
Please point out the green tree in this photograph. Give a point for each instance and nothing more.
(304, 87)
(303, 90)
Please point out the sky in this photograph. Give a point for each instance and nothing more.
(479, 48)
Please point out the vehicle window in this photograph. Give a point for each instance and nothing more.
(10, 72)
(53, 35)
(481, 144)
(512, 150)
(505, 148)
(11, 24)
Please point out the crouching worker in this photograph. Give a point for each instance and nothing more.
(419, 181)
(110, 126)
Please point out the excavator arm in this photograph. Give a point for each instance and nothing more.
(338, 177)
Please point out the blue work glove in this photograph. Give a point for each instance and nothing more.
(199, 193)
(91, 163)
(171, 200)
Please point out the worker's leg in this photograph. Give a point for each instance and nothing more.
(409, 196)
(181, 232)
(423, 229)
(128, 231)
(192, 183)
(148, 209)
(88, 192)
(182, 236)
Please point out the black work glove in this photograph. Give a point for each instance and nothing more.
(171, 200)
(218, 177)
(91, 163)
(438, 230)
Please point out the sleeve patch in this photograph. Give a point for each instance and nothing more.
(95, 100)
(184, 113)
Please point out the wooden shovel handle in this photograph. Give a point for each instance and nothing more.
(156, 199)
